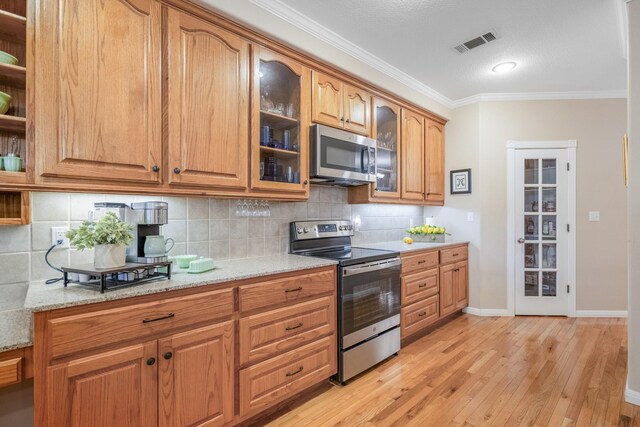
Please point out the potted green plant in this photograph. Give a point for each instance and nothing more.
(109, 236)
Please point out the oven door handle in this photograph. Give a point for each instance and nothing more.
(371, 266)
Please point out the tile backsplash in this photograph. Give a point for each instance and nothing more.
(202, 226)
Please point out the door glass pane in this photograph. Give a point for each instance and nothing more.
(549, 285)
(531, 283)
(548, 171)
(531, 171)
(548, 227)
(387, 149)
(548, 199)
(531, 227)
(279, 123)
(531, 255)
(531, 199)
(549, 255)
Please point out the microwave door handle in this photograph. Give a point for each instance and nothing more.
(365, 166)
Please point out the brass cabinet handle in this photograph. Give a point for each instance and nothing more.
(455, 254)
(299, 288)
(291, 328)
(422, 262)
(422, 286)
(424, 313)
(297, 371)
(155, 319)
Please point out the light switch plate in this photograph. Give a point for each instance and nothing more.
(470, 216)
(594, 216)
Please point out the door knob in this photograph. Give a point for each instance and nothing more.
(521, 240)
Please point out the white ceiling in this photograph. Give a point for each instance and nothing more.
(563, 47)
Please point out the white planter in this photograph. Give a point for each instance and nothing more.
(109, 256)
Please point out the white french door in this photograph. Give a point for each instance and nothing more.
(541, 221)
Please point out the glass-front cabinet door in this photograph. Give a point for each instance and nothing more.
(386, 132)
(280, 123)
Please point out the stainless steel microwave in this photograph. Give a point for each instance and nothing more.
(339, 157)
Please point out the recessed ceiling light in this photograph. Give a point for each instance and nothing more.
(504, 67)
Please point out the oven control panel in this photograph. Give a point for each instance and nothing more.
(304, 230)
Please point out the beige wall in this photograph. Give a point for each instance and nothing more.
(634, 196)
(598, 126)
(265, 23)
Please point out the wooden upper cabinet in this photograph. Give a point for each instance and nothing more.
(279, 123)
(327, 105)
(357, 110)
(413, 135)
(340, 105)
(207, 102)
(98, 78)
(386, 131)
(434, 163)
(196, 373)
(113, 388)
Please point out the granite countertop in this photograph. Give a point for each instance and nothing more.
(15, 320)
(401, 247)
(19, 302)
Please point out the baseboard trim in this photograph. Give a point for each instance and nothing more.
(601, 313)
(631, 396)
(487, 312)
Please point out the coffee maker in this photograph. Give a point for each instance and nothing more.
(146, 218)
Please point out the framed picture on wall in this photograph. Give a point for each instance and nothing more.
(461, 181)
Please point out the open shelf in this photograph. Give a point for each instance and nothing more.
(279, 151)
(15, 208)
(13, 124)
(13, 27)
(13, 75)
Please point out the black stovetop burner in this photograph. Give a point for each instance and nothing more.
(352, 255)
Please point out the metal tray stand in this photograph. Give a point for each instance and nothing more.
(129, 274)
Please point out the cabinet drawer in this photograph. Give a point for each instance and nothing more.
(267, 334)
(281, 377)
(418, 286)
(76, 333)
(413, 263)
(10, 371)
(453, 255)
(417, 316)
(287, 290)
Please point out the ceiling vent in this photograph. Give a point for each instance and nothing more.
(476, 42)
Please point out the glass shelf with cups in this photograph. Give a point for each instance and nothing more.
(252, 208)
(280, 123)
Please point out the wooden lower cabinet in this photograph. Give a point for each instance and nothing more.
(434, 286)
(196, 377)
(112, 388)
(172, 360)
(279, 378)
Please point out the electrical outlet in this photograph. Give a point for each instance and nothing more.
(594, 216)
(57, 234)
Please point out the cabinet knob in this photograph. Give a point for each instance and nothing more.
(342, 119)
(155, 168)
(176, 170)
(151, 361)
(306, 181)
(168, 355)
(347, 120)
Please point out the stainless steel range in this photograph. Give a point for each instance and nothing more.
(368, 293)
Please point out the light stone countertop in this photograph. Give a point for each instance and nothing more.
(402, 247)
(18, 304)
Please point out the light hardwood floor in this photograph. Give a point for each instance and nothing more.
(488, 371)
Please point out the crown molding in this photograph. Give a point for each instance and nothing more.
(308, 25)
(539, 96)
